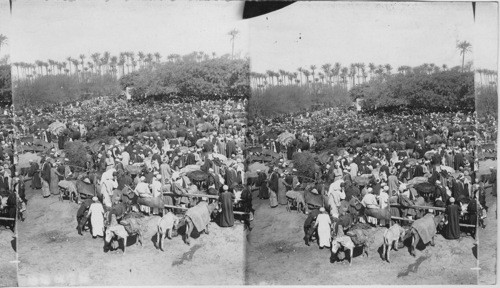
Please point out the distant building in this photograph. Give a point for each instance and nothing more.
(358, 104)
(128, 93)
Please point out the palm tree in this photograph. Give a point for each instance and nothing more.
(17, 64)
(343, 75)
(326, 69)
(300, 73)
(464, 47)
(306, 73)
(157, 57)
(233, 33)
(141, 56)
(121, 62)
(313, 68)
(69, 59)
(388, 69)
(82, 58)
(149, 59)
(112, 64)
(3, 40)
(105, 61)
(270, 75)
(95, 57)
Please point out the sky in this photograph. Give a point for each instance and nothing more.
(403, 33)
(486, 35)
(42, 30)
(5, 26)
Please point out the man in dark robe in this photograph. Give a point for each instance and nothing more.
(246, 201)
(452, 214)
(458, 161)
(493, 181)
(230, 148)
(273, 180)
(309, 225)
(419, 170)
(226, 199)
(45, 175)
(213, 179)
(190, 158)
(231, 177)
(34, 173)
(262, 184)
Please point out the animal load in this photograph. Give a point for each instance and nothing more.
(199, 215)
(425, 227)
(315, 200)
(425, 187)
(152, 202)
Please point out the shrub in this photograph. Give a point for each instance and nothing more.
(275, 100)
(304, 163)
(76, 152)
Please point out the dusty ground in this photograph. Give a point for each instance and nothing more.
(8, 265)
(277, 255)
(51, 253)
(488, 236)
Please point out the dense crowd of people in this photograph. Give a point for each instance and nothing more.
(156, 153)
(393, 162)
(11, 186)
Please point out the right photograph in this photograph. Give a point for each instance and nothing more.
(371, 144)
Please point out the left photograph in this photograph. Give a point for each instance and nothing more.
(132, 119)
(10, 194)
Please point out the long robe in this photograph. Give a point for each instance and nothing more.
(96, 212)
(36, 182)
(54, 181)
(227, 216)
(452, 229)
(323, 222)
(282, 192)
(45, 175)
(273, 199)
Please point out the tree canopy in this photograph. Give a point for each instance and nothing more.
(446, 90)
(5, 85)
(209, 78)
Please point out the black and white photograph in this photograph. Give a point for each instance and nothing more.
(362, 144)
(132, 117)
(9, 183)
(154, 142)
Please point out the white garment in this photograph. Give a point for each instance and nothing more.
(108, 175)
(323, 223)
(96, 212)
(125, 158)
(156, 188)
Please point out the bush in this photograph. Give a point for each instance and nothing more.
(52, 89)
(304, 163)
(5, 85)
(207, 79)
(275, 100)
(487, 101)
(76, 152)
(441, 91)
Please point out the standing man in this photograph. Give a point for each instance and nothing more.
(45, 175)
(335, 195)
(452, 214)
(226, 199)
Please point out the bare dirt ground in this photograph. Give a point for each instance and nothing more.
(276, 254)
(51, 253)
(488, 237)
(8, 265)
